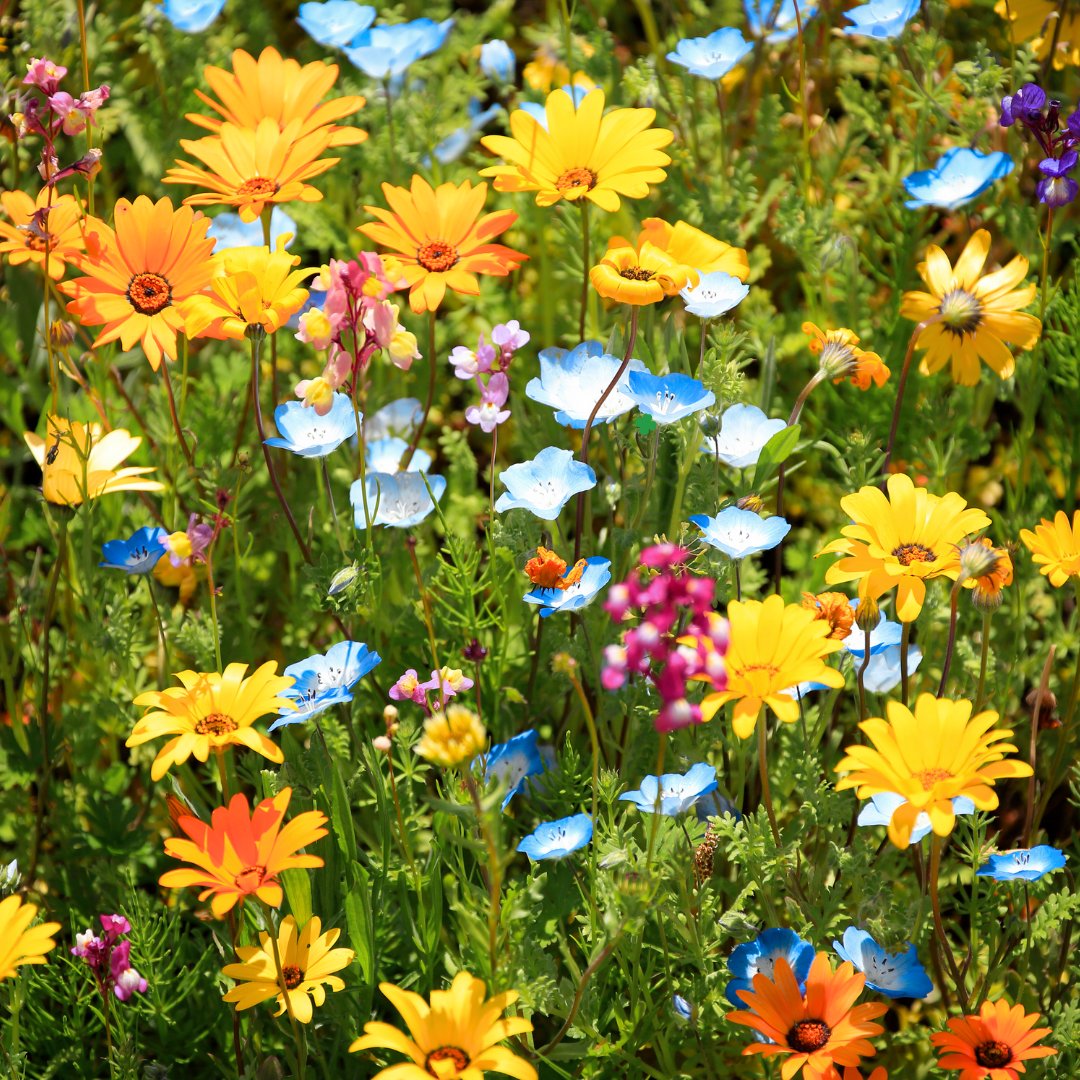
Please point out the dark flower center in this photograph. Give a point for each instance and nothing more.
(809, 1035)
(148, 293)
(291, 976)
(250, 878)
(437, 256)
(447, 1053)
(906, 554)
(257, 185)
(637, 273)
(993, 1055)
(960, 311)
(216, 724)
(576, 178)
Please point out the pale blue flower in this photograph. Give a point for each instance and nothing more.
(384, 455)
(539, 113)
(715, 294)
(324, 680)
(758, 957)
(192, 16)
(399, 500)
(594, 577)
(384, 52)
(959, 175)
(544, 485)
(668, 398)
(305, 432)
(896, 975)
(137, 555)
(778, 17)
(880, 808)
(571, 382)
(511, 763)
(230, 232)
(399, 418)
(337, 22)
(881, 19)
(683, 1009)
(678, 792)
(739, 533)
(883, 672)
(1023, 864)
(557, 839)
(497, 61)
(711, 57)
(458, 141)
(744, 431)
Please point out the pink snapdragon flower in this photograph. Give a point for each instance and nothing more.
(409, 688)
(109, 958)
(490, 412)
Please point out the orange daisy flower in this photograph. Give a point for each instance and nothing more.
(241, 853)
(840, 357)
(548, 571)
(820, 1029)
(441, 241)
(995, 1044)
(137, 275)
(833, 608)
(250, 168)
(34, 224)
(281, 90)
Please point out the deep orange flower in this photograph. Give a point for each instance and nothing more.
(840, 357)
(548, 571)
(833, 608)
(138, 274)
(281, 90)
(241, 853)
(441, 240)
(994, 1044)
(35, 224)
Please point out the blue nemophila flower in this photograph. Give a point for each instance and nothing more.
(337, 22)
(677, 792)
(896, 975)
(571, 382)
(557, 839)
(715, 294)
(324, 680)
(229, 231)
(881, 19)
(581, 593)
(305, 432)
(739, 533)
(544, 485)
(711, 57)
(959, 175)
(883, 672)
(399, 418)
(385, 455)
(758, 957)
(399, 500)
(1023, 864)
(385, 52)
(539, 112)
(192, 16)
(511, 763)
(668, 398)
(497, 61)
(137, 555)
(744, 431)
(683, 1009)
(457, 142)
(716, 805)
(775, 19)
(881, 807)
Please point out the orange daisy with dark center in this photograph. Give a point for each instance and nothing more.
(148, 293)
(291, 976)
(993, 1055)
(437, 256)
(906, 554)
(258, 185)
(447, 1053)
(216, 724)
(576, 178)
(809, 1035)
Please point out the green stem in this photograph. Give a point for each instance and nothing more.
(298, 1035)
(763, 769)
(163, 643)
(950, 645)
(905, 637)
(213, 609)
(1044, 273)
(415, 442)
(984, 655)
(584, 268)
(594, 740)
(905, 370)
(939, 926)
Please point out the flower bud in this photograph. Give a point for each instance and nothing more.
(61, 333)
(867, 614)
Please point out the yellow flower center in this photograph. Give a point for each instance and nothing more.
(637, 273)
(250, 878)
(961, 311)
(993, 1054)
(437, 256)
(447, 1053)
(291, 976)
(257, 185)
(906, 554)
(148, 293)
(576, 178)
(929, 777)
(809, 1035)
(216, 724)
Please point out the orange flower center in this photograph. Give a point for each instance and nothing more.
(576, 178)
(637, 273)
(447, 1053)
(906, 554)
(250, 878)
(216, 724)
(257, 185)
(993, 1055)
(929, 777)
(809, 1035)
(291, 976)
(437, 256)
(960, 311)
(148, 293)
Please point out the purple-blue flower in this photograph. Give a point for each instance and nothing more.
(137, 555)
(758, 957)
(1024, 107)
(557, 839)
(511, 763)
(1057, 188)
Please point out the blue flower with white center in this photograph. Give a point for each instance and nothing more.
(544, 485)
(959, 175)
(677, 792)
(881, 19)
(557, 839)
(775, 20)
(711, 57)
(497, 61)
(400, 418)
(324, 680)
(896, 975)
(1023, 864)
(457, 142)
(715, 294)
(192, 16)
(511, 763)
(399, 500)
(758, 957)
(305, 432)
(594, 577)
(539, 113)
(337, 22)
(138, 555)
(739, 533)
(668, 398)
(744, 431)
(385, 52)
(683, 1009)
(229, 231)
(881, 807)
(571, 382)
(385, 455)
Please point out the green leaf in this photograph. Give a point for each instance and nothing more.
(775, 452)
(644, 424)
(297, 886)
(360, 924)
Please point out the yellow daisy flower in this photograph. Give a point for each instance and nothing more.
(21, 943)
(979, 313)
(642, 275)
(1055, 547)
(930, 756)
(451, 737)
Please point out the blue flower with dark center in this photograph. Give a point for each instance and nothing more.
(1023, 864)
(881, 19)
(305, 432)
(399, 500)
(711, 57)
(775, 20)
(758, 957)
(337, 22)
(557, 839)
(959, 175)
(511, 763)
(896, 975)
(594, 577)
(544, 485)
(137, 555)
(572, 382)
(677, 792)
(668, 398)
(740, 533)
(324, 680)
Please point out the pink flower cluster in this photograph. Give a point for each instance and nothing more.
(109, 958)
(678, 640)
(448, 682)
(488, 365)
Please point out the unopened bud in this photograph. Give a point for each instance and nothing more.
(867, 614)
(563, 664)
(343, 579)
(390, 717)
(754, 503)
(710, 425)
(1043, 706)
(61, 333)
(977, 559)
(383, 743)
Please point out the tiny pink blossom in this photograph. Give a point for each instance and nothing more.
(409, 688)
(509, 337)
(44, 74)
(129, 982)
